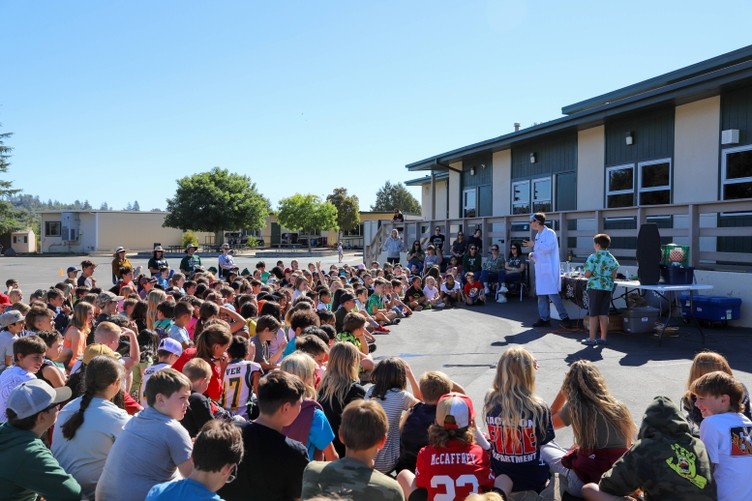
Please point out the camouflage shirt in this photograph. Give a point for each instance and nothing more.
(602, 265)
(350, 479)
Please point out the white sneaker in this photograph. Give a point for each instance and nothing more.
(503, 289)
(487, 291)
(502, 299)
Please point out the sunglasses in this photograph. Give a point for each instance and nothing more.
(473, 248)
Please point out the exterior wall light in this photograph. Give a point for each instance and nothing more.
(532, 158)
(629, 139)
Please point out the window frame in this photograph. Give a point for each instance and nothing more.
(631, 191)
(724, 180)
(49, 224)
(529, 201)
(550, 199)
(670, 187)
(465, 192)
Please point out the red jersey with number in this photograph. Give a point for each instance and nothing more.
(453, 472)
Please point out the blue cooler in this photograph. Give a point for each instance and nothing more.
(712, 308)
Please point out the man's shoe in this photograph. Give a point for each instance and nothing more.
(502, 299)
(487, 291)
(589, 342)
(503, 289)
(542, 323)
(382, 330)
(566, 322)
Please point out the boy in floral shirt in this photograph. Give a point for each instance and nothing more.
(600, 270)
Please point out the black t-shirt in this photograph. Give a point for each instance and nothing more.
(333, 412)
(271, 469)
(339, 318)
(155, 263)
(438, 242)
(414, 435)
(414, 293)
(198, 413)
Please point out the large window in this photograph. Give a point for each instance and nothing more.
(542, 195)
(52, 228)
(655, 182)
(737, 173)
(469, 203)
(620, 186)
(521, 197)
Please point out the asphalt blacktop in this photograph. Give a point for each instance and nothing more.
(466, 343)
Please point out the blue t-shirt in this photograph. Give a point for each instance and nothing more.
(321, 434)
(179, 334)
(515, 450)
(186, 490)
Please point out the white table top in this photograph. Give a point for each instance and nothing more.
(634, 284)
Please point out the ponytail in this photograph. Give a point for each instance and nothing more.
(101, 372)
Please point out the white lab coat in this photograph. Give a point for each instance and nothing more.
(546, 258)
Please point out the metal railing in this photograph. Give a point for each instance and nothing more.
(503, 230)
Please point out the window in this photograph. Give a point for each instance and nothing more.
(542, 195)
(655, 182)
(620, 186)
(521, 197)
(52, 228)
(469, 203)
(737, 173)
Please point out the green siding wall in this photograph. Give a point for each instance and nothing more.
(482, 176)
(653, 134)
(552, 156)
(736, 113)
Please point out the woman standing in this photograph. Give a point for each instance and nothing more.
(393, 246)
(119, 261)
(157, 261)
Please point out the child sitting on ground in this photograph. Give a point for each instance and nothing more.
(363, 431)
(153, 445)
(199, 411)
(451, 292)
(474, 294)
(452, 465)
(241, 379)
(726, 433)
(182, 315)
(432, 293)
(28, 355)
(354, 331)
(168, 353)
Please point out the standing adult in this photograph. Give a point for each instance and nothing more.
(157, 261)
(119, 261)
(340, 252)
(226, 263)
(545, 255)
(477, 240)
(438, 241)
(393, 246)
(191, 262)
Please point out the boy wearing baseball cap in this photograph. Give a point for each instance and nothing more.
(11, 324)
(452, 464)
(27, 467)
(168, 353)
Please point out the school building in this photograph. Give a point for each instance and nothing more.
(675, 149)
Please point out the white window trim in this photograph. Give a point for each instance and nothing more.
(669, 186)
(550, 198)
(529, 193)
(473, 190)
(620, 192)
(724, 157)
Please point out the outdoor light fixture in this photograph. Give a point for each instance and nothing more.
(629, 139)
(472, 171)
(532, 158)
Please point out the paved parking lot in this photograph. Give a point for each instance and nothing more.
(466, 343)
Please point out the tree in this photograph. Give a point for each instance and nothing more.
(136, 206)
(128, 207)
(9, 216)
(348, 209)
(215, 201)
(104, 206)
(306, 212)
(395, 196)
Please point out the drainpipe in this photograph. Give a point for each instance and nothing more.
(96, 231)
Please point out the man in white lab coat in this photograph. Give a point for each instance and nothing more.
(545, 256)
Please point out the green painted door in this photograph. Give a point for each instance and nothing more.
(276, 237)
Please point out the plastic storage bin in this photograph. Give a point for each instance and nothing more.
(676, 275)
(712, 308)
(639, 320)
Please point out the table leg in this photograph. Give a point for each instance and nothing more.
(667, 320)
(692, 312)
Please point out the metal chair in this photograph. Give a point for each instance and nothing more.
(520, 281)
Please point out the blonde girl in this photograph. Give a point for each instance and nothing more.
(603, 427)
(518, 421)
(74, 342)
(432, 293)
(340, 386)
(155, 297)
(703, 363)
(318, 435)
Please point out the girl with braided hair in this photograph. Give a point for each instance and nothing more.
(89, 425)
(602, 425)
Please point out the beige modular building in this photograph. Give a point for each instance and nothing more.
(88, 231)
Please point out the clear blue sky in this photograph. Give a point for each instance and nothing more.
(113, 101)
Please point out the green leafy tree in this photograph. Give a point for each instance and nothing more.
(136, 206)
(395, 196)
(348, 209)
(9, 216)
(307, 212)
(215, 201)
